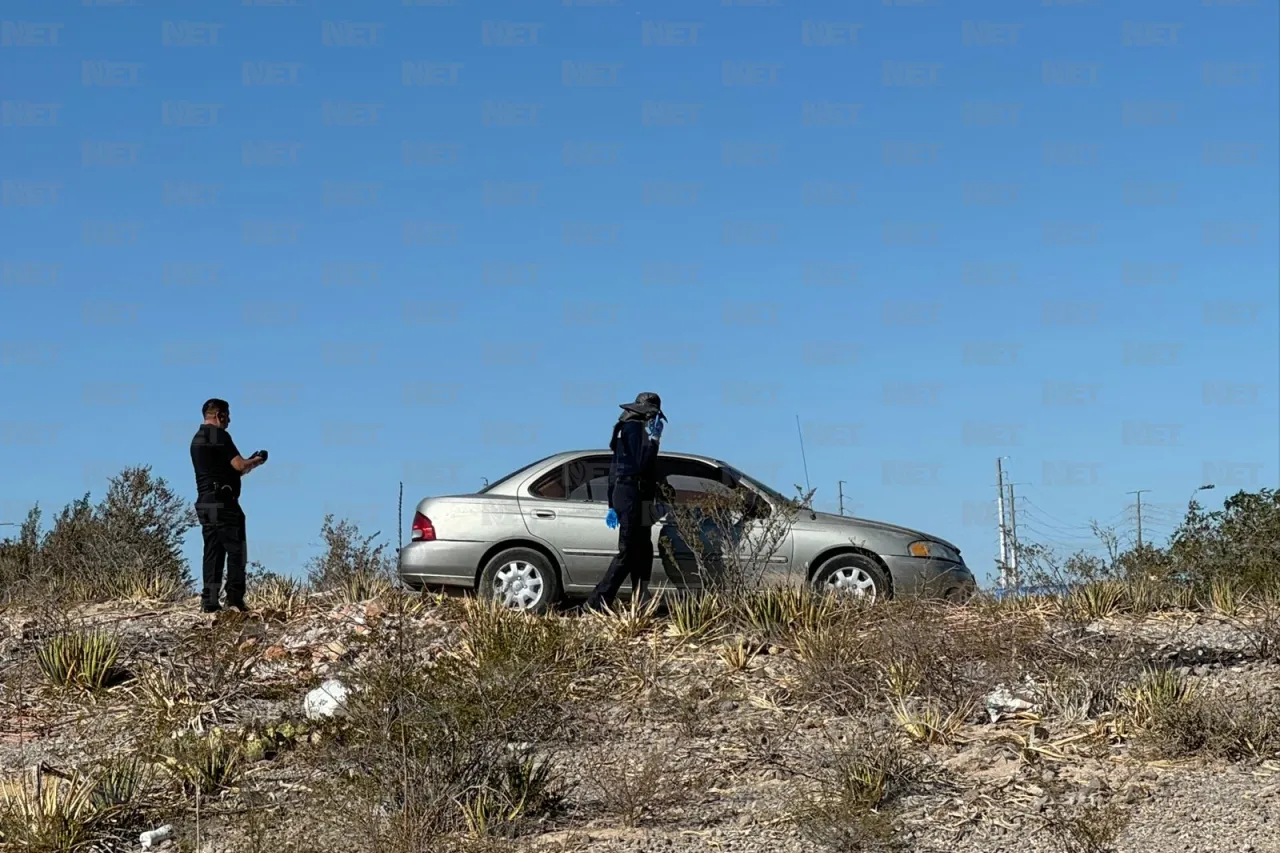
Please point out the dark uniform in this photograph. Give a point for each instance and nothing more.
(633, 480)
(221, 519)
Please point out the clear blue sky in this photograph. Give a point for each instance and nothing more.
(1049, 227)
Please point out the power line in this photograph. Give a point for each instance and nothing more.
(1068, 525)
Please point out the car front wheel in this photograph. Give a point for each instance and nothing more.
(521, 579)
(855, 575)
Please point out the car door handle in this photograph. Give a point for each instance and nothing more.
(543, 513)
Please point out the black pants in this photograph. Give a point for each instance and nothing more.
(634, 559)
(223, 525)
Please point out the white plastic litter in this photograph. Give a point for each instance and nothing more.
(327, 700)
(1001, 704)
(152, 837)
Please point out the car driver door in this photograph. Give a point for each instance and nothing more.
(760, 543)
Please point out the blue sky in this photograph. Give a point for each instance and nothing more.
(407, 242)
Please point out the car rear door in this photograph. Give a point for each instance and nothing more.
(567, 507)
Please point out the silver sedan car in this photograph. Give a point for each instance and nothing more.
(538, 535)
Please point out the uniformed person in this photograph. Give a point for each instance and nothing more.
(218, 468)
(633, 481)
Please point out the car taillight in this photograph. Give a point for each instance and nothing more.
(423, 530)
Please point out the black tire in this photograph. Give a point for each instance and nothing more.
(852, 570)
(503, 575)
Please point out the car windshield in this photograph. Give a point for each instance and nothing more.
(773, 494)
(495, 483)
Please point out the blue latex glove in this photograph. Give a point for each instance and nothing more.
(612, 518)
(654, 428)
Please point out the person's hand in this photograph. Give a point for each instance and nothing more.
(654, 428)
(612, 518)
(260, 455)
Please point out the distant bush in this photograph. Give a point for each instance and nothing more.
(1210, 557)
(1239, 543)
(351, 565)
(129, 545)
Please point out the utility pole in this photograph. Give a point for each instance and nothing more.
(1139, 494)
(1013, 536)
(840, 486)
(1004, 558)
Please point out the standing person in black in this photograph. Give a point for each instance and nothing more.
(633, 480)
(219, 467)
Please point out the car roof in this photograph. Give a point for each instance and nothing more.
(537, 468)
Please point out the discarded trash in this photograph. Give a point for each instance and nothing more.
(152, 837)
(327, 700)
(1001, 703)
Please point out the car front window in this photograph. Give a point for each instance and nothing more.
(771, 493)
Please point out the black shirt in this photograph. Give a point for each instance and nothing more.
(211, 453)
(635, 456)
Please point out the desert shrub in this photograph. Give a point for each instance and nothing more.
(19, 556)
(640, 785)
(351, 566)
(1205, 725)
(456, 744)
(522, 789)
(129, 545)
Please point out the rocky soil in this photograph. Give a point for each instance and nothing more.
(686, 750)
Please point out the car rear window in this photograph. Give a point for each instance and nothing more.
(495, 483)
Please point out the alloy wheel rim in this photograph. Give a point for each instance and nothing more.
(852, 580)
(518, 585)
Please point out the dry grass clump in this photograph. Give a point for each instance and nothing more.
(952, 656)
(852, 808)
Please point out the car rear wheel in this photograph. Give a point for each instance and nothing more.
(855, 575)
(521, 579)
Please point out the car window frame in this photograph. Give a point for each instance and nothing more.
(528, 486)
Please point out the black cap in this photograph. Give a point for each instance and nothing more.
(647, 403)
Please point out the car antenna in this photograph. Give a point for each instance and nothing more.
(805, 462)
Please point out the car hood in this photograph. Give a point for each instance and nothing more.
(830, 518)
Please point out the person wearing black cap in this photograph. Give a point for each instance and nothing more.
(633, 481)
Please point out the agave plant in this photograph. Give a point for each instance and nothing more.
(694, 616)
(80, 659)
(1155, 691)
(51, 814)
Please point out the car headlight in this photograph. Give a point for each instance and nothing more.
(934, 550)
